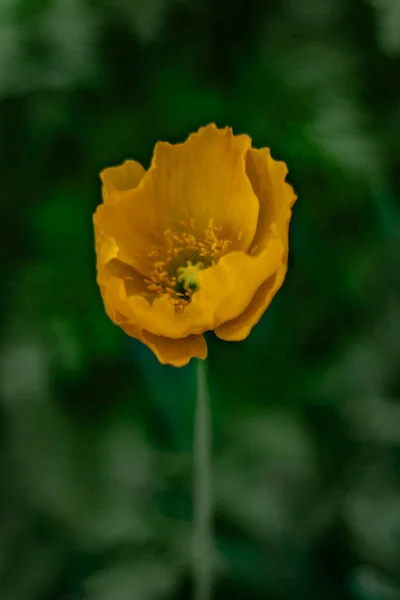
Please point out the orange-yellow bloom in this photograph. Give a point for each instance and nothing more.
(198, 242)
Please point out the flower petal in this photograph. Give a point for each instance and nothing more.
(220, 296)
(238, 329)
(202, 178)
(131, 227)
(113, 224)
(110, 266)
(276, 200)
(276, 197)
(121, 178)
(106, 248)
(176, 352)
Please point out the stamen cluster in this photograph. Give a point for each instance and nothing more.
(177, 265)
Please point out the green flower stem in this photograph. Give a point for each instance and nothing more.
(202, 534)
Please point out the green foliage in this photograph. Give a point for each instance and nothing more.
(95, 435)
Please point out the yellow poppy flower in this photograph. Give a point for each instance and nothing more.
(198, 242)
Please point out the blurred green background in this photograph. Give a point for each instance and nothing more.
(95, 435)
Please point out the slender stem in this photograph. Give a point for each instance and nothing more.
(202, 535)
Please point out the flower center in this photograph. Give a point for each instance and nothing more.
(188, 276)
(177, 265)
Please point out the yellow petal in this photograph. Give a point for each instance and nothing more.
(118, 184)
(238, 329)
(110, 266)
(275, 195)
(225, 290)
(176, 352)
(204, 178)
(113, 314)
(119, 220)
(106, 248)
(119, 179)
(276, 200)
